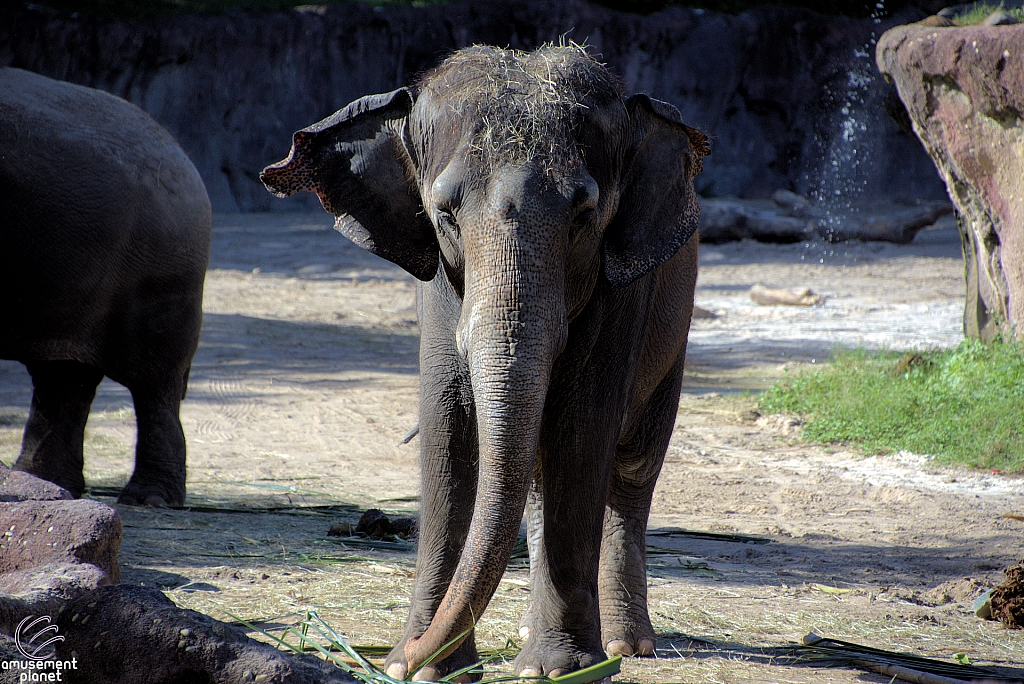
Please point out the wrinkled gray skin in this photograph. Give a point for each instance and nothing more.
(106, 236)
(552, 222)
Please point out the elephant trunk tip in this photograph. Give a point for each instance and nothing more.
(421, 651)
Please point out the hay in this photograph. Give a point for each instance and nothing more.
(519, 106)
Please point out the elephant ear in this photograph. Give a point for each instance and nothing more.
(356, 163)
(658, 209)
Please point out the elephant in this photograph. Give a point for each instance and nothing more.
(106, 230)
(551, 222)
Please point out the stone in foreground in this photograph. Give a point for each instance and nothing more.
(16, 485)
(136, 635)
(40, 532)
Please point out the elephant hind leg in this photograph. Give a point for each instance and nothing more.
(62, 392)
(159, 476)
(625, 624)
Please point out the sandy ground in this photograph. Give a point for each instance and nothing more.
(306, 381)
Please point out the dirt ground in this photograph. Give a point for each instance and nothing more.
(306, 381)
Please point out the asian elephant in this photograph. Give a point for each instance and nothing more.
(106, 237)
(552, 221)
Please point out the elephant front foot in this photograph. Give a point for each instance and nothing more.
(554, 655)
(627, 631)
(155, 495)
(465, 656)
(629, 643)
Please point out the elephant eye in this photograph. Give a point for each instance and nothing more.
(582, 223)
(446, 221)
(585, 217)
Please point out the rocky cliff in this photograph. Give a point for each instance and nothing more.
(964, 91)
(790, 97)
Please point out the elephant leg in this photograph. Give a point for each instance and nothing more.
(564, 513)
(448, 460)
(159, 476)
(534, 539)
(62, 392)
(625, 624)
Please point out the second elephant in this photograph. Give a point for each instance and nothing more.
(105, 226)
(552, 221)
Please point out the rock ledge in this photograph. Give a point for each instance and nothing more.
(963, 88)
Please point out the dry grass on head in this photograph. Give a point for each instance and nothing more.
(523, 105)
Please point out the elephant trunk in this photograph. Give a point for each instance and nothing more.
(513, 326)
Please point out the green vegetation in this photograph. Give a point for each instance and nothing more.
(963, 406)
(316, 636)
(981, 12)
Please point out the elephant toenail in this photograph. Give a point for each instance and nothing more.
(397, 671)
(427, 674)
(530, 672)
(618, 647)
(464, 678)
(558, 672)
(645, 648)
(524, 632)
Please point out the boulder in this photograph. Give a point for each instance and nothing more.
(43, 590)
(136, 635)
(37, 533)
(789, 217)
(52, 548)
(963, 88)
(999, 18)
(16, 485)
(58, 557)
(725, 219)
(936, 21)
(9, 653)
(898, 225)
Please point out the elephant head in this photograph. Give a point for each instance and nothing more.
(526, 180)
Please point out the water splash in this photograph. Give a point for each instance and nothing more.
(846, 149)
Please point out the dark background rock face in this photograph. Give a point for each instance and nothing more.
(790, 98)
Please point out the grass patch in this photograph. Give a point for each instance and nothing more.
(963, 406)
(980, 13)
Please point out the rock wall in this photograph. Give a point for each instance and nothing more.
(964, 91)
(790, 98)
